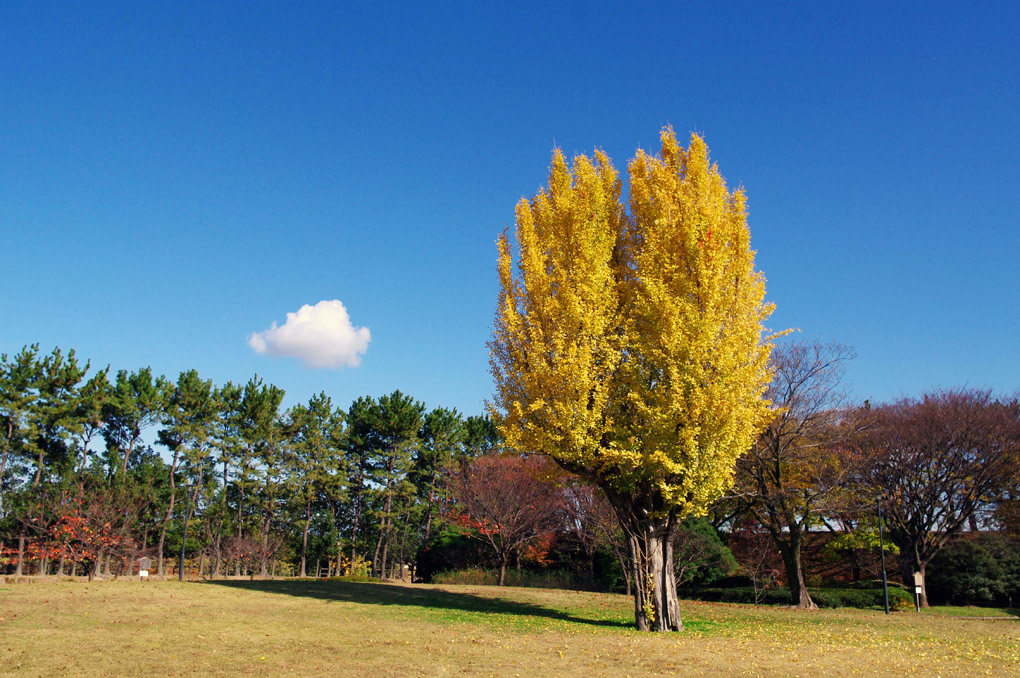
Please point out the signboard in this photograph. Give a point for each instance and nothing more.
(144, 563)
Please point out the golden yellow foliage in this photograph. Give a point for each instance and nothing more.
(628, 343)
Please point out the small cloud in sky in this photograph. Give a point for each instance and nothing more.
(320, 335)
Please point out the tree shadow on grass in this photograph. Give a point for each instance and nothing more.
(410, 595)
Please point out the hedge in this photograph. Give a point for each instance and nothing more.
(899, 597)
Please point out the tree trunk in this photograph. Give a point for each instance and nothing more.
(169, 513)
(219, 526)
(623, 568)
(162, 534)
(240, 499)
(270, 495)
(21, 556)
(403, 542)
(304, 537)
(655, 602)
(216, 560)
(909, 564)
(127, 455)
(38, 468)
(649, 532)
(428, 510)
(790, 550)
(3, 461)
(502, 568)
(354, 527)
(384, 537)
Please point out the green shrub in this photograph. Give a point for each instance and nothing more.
(899, 597)
(981, 569)
(475, 576)
(737, 594)
(699, 556)
(450, 549)
(544, 579)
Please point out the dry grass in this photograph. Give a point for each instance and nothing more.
(380, 630)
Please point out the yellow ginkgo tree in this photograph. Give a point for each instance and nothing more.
(629, 343)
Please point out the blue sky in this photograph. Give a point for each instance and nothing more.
(175, 177)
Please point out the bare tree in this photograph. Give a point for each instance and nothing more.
(580, 518)
(785, 479)
(936, 460)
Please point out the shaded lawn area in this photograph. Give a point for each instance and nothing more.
(441, 603)
(309, 627)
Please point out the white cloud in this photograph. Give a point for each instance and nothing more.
(320, 335)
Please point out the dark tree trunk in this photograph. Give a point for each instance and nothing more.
(910, 563)
(790, 550)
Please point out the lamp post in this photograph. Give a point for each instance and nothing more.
(881, 548)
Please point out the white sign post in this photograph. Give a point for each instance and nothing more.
(144, 563)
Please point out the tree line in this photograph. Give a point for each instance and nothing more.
(242, 486)
(928, 468)
(245, 487)
(824, 473)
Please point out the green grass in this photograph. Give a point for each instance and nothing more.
(311, 627)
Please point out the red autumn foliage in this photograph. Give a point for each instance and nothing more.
(506, 501)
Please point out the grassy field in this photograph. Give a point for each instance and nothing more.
(380, 630)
